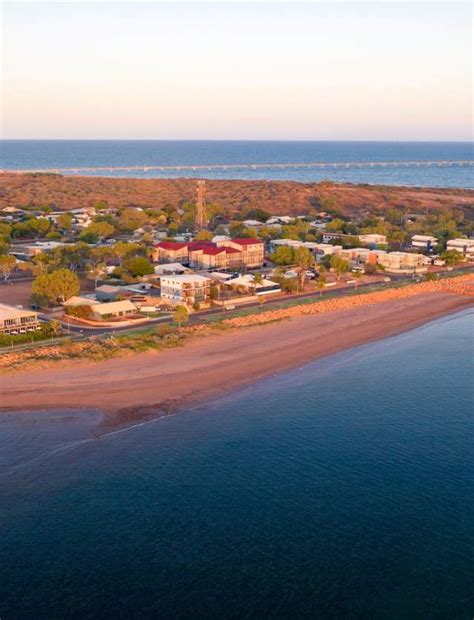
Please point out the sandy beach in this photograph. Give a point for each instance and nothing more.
(153, 382)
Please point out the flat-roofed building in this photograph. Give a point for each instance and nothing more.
(187, 288)
(404, 262)
(373, 239)
(425, 242)
(464, 246)
(15, 321)
(113, 310)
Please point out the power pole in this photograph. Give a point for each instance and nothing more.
(201, 217)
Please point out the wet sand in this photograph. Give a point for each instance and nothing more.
(154, 383)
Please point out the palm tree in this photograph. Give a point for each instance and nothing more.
(357, 276)
(304, 260)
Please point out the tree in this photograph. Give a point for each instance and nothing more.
(55, 327)
(123, 250)
(321, 283)
(304, 259)
(180, 315)
(138, 266)
(340, 265)
(204, 235)
(55, 287)
(214, 291)
(283, 255)
(370, 268)
(96, 231)
(96, 271)
(7, 265)
(357, 276)
(130, 219)
(64, 222)
(452, 257)
(257, 278)
(335, 225)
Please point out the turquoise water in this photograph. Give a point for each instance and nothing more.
(343, 489)
(353, 159)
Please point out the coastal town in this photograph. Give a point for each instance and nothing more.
(99, 269)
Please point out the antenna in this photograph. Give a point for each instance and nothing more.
(201, 217)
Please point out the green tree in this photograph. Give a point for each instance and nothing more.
(138, 266)
(335, 225)
(321, 283)
(452, 257)
(304, 259)
(96, 231)
(64, 222)
(130, 219)
(357, 277)
(7, 265)
(283, 255)
(340, 265)
(55, 287)
(204, 235)
(180, 315)
(370, 268)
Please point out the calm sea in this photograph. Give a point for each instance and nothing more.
(344, 489)
(342, 161)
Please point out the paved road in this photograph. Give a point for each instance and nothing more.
(197, 317)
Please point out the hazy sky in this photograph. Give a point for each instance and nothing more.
(324, 71)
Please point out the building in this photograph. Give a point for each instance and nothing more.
(216, 258)
(113, 310)
(402, 262)
(373, 239)
(225, 254)
(168, 269)
(186, 289)
(360, 256)
(425, 242)
(465, 246)
(247, 282)
(170, 252)
(103, 311)
(252, 250)
(15, 321)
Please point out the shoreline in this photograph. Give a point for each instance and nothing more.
(156, 384)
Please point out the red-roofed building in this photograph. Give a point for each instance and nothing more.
(216, 258)
(170, 252)
(252, 250)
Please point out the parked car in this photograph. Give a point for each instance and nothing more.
(290, 274)
(387, 279)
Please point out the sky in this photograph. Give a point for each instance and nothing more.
(283, 71)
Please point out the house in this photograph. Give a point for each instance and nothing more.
(113, 310)
(425, 242)
(464, 246)
(167, 269)
(373, 239)
(187, 288)
(247, 282)
(252, 223)
(280, 219)
(15, 321)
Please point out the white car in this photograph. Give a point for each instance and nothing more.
(290, 274)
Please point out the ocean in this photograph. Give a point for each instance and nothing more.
(434, 164)
(341, 489)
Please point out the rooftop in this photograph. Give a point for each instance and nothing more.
(9, 312)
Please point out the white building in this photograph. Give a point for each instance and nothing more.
(247, 282)
(373, 238)
(187, 288)
(15, 321)
(465, 246)
(425, 242)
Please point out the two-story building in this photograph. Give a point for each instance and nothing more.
(15, 321)
(464, 246)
